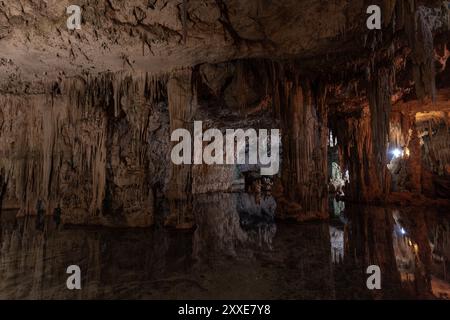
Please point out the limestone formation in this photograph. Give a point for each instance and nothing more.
(86, 115)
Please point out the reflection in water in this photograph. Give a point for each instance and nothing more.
(399, 242)
(236, 251)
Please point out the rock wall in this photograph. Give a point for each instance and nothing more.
(357, 154)
(303, 114)
(423, 140)
(97, 148)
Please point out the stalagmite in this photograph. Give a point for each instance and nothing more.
(380, 90)
(355, 147)
(182, 107)
(414, 165)
(304, 124)
(3, 185)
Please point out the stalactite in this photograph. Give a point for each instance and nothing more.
(406, 169)
(419, 31)
(437, 147)
(184, 17)
(303, 117)
(399, 129)
(414, 163)
(182, 107)
(388, 7)
(3, 186)
(88, 147)
(379, 91)
(355, 148)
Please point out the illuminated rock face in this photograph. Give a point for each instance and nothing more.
(88, 128)
(159, 36)
(95, 149)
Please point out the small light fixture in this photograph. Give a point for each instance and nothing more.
(397, 152)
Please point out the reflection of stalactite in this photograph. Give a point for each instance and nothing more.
(370, 242)
(113, 264)
(441, 248)
(416, 225)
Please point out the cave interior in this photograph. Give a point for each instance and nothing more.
(86, 115)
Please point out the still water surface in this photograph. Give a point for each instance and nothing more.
(232, 254)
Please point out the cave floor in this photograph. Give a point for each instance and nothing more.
(266, 260)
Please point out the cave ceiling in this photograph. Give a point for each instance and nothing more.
(325, 37)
